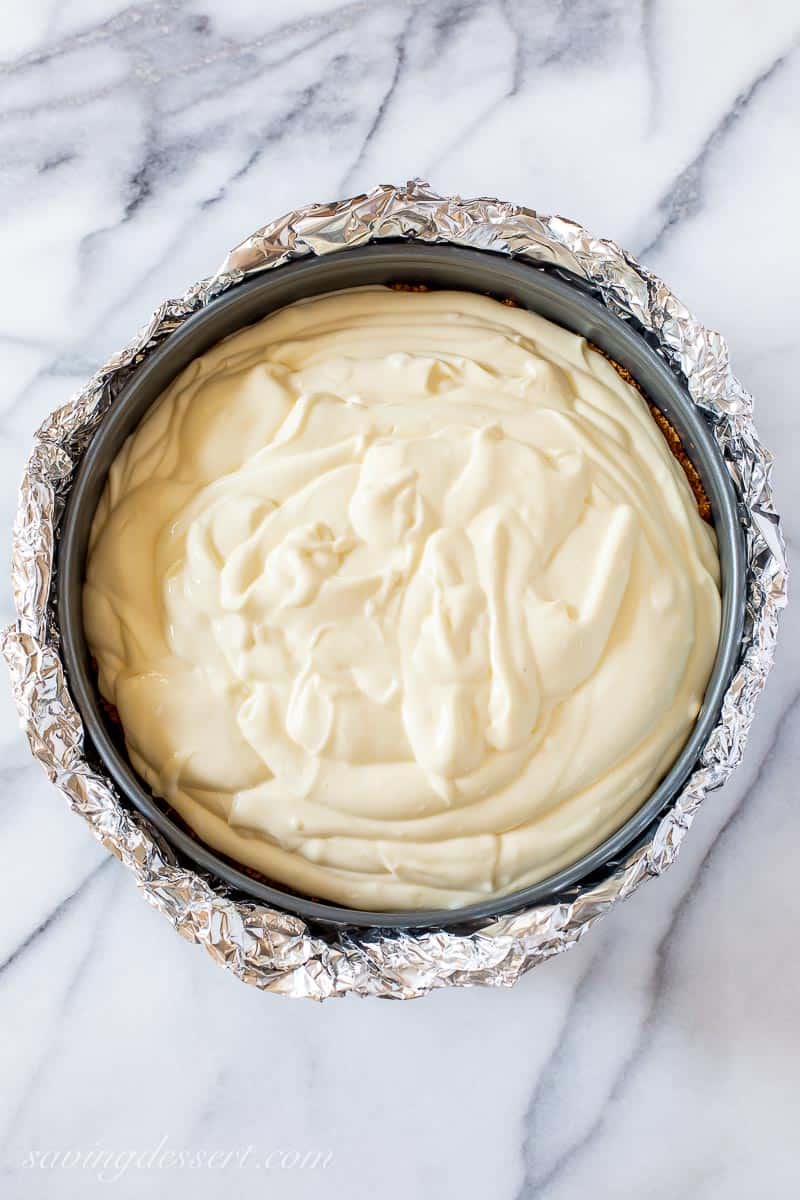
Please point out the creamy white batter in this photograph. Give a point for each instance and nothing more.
(402, 598)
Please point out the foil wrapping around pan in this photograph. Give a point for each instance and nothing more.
(272, 949)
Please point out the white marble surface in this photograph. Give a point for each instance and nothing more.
(662, 1057)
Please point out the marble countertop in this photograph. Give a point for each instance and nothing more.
(662, 1056)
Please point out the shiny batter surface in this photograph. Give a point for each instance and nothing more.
(402, 598)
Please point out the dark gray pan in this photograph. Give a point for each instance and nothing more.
(564, 301)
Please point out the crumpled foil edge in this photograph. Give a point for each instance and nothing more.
(263, 946)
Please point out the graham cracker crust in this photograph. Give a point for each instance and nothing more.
(671, 437)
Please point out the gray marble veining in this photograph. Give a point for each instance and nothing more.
(660, 1058)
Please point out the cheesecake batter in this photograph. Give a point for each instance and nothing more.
(402, 598)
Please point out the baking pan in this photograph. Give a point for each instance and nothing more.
(555, 295)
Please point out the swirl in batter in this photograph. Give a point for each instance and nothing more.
(402, 598)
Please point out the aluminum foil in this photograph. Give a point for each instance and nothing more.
(269, 948)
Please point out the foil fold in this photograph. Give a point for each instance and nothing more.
(275, 950)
